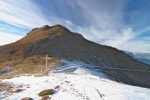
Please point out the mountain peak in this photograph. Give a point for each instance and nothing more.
(46, 27)
(60, 27)
(46, 31)
(57, 27)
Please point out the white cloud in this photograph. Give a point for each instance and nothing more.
(136, 46)
(107, 25)
(6, 38)
(146, 38)
(105, 21)
(23, 14)
(126, 35)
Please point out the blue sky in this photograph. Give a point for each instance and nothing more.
(123, 24)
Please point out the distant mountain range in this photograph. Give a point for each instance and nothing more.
(143, 57)
(58, 41)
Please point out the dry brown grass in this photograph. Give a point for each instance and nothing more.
(33, 66)
(46, 92)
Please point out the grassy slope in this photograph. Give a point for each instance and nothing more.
(34, 65)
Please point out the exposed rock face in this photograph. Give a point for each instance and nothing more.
(58, 41)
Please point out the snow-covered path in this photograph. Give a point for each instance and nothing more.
(81, 84)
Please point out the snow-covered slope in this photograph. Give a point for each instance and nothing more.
(75, 82)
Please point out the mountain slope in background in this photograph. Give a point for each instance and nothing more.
(58, 41)
(143, 57)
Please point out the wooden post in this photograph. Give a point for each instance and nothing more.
(46, 62)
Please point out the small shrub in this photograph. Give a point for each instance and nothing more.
(46, 98)
(46, 92)
(67, 81)
(18, 90)
(57, 87)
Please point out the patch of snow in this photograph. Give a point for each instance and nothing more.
(5, 71)
(80, 84)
